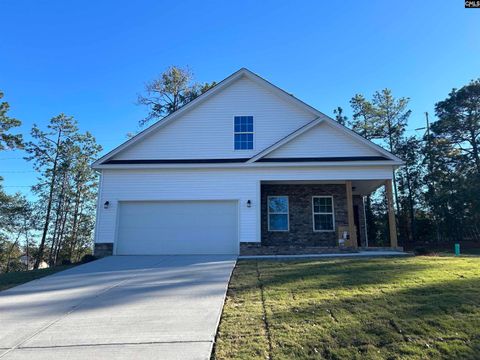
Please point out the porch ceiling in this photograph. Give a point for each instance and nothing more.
(360, 187)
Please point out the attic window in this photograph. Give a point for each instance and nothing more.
(243, 132)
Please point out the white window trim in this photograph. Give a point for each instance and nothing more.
(323, 213)
(244, 132)
(278, 213)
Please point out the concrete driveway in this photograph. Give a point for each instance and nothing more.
(122, 307)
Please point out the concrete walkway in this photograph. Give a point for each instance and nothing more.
(123, 307)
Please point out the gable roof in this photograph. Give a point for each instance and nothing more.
(287, 139)
(243, 72)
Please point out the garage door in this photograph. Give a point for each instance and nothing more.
(177, 228)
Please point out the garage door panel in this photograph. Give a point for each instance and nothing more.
(177, 227)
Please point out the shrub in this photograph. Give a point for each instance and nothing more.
(87, 258)
(422, 250)
(66, 262)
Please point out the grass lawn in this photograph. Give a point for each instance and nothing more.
(388, 308)
(12, 279)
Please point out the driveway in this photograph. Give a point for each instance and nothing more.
(121, 307)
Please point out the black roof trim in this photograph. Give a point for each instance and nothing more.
(324, 159)
(175, 161)
(242, 160)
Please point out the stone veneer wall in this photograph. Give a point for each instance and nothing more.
(300, 214)
(103, 249)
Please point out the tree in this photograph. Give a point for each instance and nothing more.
(459, 121)
(410, 184)
(365, 124)
(339, 117)
(8, 140)
(169, 92)
(364, 120)
(49, 152)
(393, 116)
(453, 165)
(84, 193)
(9, 205)
(383, 119)
(14, 219)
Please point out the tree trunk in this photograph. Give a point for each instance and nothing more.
(62, 233)
(9, 256)
(411, 205)
(41, 248)
(75, 224)
(475, 151)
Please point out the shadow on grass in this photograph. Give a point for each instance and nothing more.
(348, 309)
(331, 274)
(434, 321)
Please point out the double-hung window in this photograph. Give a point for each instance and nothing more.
(243, 132)
(278, 213)
(323, 215)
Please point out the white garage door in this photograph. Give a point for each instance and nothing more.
(177, 228)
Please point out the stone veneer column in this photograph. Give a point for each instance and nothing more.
(103, 249)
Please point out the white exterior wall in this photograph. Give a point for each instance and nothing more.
(323, 141)
(207, 131)
(211, 184)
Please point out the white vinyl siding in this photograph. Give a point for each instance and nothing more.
(323, 214)
(211, 184)
(323, 141)
(205, 132)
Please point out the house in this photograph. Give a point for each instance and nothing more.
(245, 166)
(29, 262)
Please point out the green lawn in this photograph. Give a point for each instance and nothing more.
(389, 308)
(12, 279)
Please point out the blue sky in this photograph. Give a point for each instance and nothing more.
(90, 59)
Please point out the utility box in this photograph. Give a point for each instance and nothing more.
(344, 238)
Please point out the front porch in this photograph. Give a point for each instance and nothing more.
(317, 217)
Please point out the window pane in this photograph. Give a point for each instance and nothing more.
(238, 142)
(322, 205)
(243, 125)
(278, 204)
(323, 222)
(278, 222)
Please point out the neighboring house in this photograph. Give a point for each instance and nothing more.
(243, 165)
(29, 262)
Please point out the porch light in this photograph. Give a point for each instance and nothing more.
(106, 204)
(249, 203)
